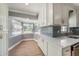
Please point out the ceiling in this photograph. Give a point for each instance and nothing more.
(74, 5)
(77, 4)
(32, 7)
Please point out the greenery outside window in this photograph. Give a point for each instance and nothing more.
(27, 28)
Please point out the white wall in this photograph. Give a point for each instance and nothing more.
(4, 23)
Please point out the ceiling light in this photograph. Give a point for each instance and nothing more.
(26, 3)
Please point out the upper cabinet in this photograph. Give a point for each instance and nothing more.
(60, 14)
(57, 13)
(42, 15)
(45, 17)
(77, 12)
(77, 18)
(49, 14)
(64, 14)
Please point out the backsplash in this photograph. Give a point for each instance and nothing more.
(52, 31)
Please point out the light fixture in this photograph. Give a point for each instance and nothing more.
(26, 3)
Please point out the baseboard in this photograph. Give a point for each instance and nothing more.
(14, 45)
(27, 39)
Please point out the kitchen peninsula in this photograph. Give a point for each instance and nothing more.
(60, 46)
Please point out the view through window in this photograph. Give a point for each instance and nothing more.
(27, 28)
(16, 28)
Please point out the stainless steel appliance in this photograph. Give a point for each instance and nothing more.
(52, 30)
(74, 32)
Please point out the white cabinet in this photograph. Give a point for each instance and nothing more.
(49, 14)
(55, 14)
(42, 15)
(53, 50)
(57, 10)
(65, 14)
(61, 14)
(41, 43)
(77, 17)
(50, 50)
(66, 51)
(45, 17)
(45, 47)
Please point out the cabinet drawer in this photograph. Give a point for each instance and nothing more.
(66, 51)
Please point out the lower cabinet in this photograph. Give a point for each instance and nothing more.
(45, 47)
(66, 51)
(50, 53)
(52, 50)
(41, 43)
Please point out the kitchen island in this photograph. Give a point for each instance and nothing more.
(59, 46)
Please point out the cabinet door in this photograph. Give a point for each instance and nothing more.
(41, 43)
(50, 53)
(77, 12)
(42, 15)
(78, 20)
(65, 15)
(57, 10)
(49, 14)
(45, 47)
(66, 51)
(44, 8)
(52, 50)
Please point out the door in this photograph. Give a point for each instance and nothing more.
(3, 29)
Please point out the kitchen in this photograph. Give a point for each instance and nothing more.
(59, 36)
(56, 30)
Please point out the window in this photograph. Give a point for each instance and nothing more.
(16, 28)
(64, 29)
(27, 28)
